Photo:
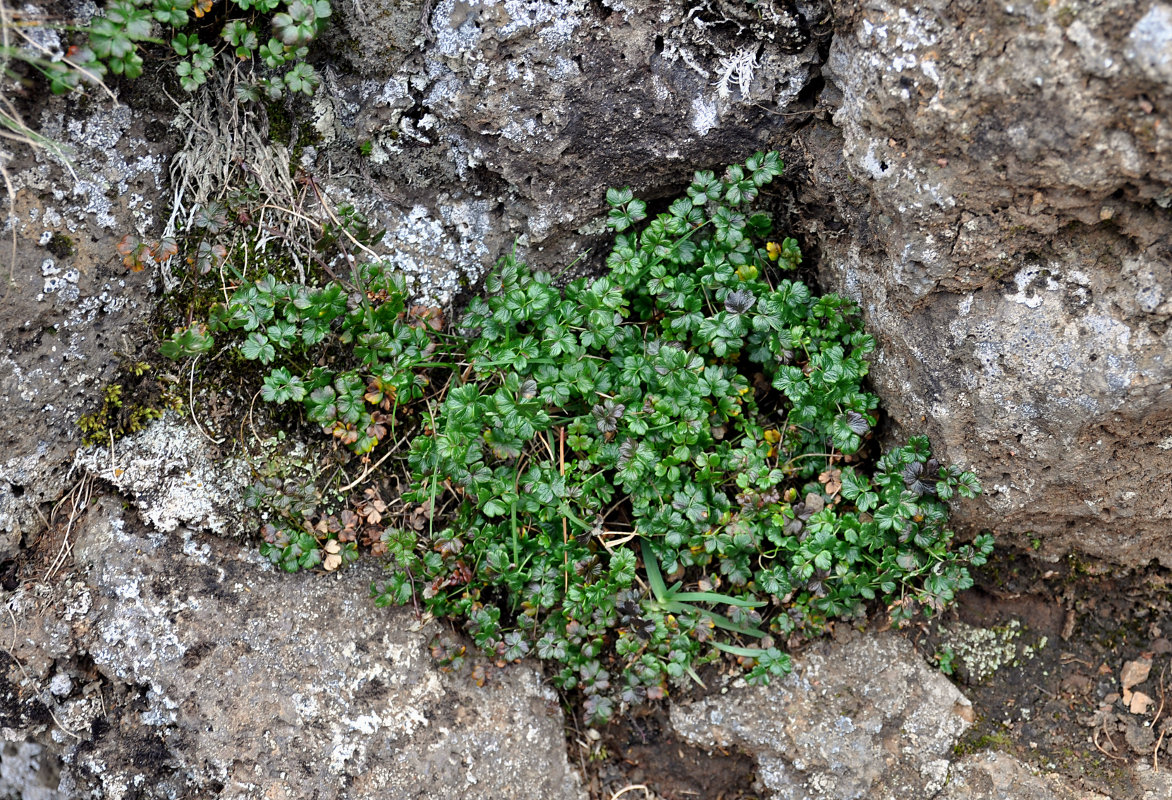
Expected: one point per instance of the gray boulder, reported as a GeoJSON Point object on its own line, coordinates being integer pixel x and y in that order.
{"type": "Point", "coordinates": [172, 665]}
{"type": "Point", "coordinates": [1005, 178]}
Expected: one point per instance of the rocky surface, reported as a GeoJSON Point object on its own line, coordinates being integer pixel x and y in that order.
{"type": "Point", "coordinates": [511, 119]}
{"type": "Point", "coordinates": [175, 474]}
{"type": "Point", "coordinates": [990, 182]}
{"type": "Point", "coordinates": [173, 665]}
{"type": "Point", "coordinates": [72, 311]}
{"type": "Point", "coordinates": [1005, 176]}
{"type": "Point", "coordinates": [997, 776]}
{"type": "Point", "coordinates": [865, 718]}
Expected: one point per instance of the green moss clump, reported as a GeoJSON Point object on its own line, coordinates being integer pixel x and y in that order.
{"type": "Point", "coordinates": [982, 737]}
{"type": "Point", "coordinates": [61, 246]}
{"type": "Point", "coordinates": [280, 124]}
{"type": "Point", "coordinates": [129, 402]}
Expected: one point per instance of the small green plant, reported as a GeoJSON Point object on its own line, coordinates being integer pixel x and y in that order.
{"type": "Point", "coordinates": [687, 414]}
{"type": "Point", "coordinates": [946, 660]}
{"type": "Point", "coordinates": [627, 478]}
{"type": "Point", "coordinates": [116, 39]}
{"type": "Point", "coordinates": [357, 406]}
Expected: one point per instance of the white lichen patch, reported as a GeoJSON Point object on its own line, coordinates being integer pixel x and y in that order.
{"type": "Point", "coordinates": [104, 168]}
{"type": "Point", "coordinates": [737, 68]}
{"type": "Point", "coordinates": [705, 116]}
{"type": "Point", "coordinates": [458, 25]}
{"type": "Point", "coordinates": [167, 470]}
{"type": "Point", "coordinates": [437, 250]}
{"type": "Point", "coordinates": [984, 651]}
{"type": "Point", "coordinates": [1150, 43]}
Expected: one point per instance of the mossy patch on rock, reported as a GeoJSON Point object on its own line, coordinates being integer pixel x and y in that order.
{"type": "Point", "coordinates": [135, 397]}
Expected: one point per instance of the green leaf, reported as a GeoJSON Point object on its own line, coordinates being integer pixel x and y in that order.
{"type": "Point", "coordinates": [184, 43]}
{"type": "Point", "coordinates": [280, 386]}
{"type": "Point", "coordinates": [302, 78]}
{"type": "Point", "coordinates": [190, 341]}
{"type": "Point", "coordinates": [619, 197]}
{"type": "Point", "coordinates": [257, 347]}
{"type": "Point", "coordinates": [494, 508]}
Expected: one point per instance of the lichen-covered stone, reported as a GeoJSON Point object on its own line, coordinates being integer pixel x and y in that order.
{"type": "Point", "coordinates": [220, 677]}
{"type": "Point", "coordinates": [169, 471]}
{"type": "Point", "coordinates": [861, 719]}
{"type": "Point", "coordinates": [998, 776]}
{"type": "Point", "coordinates": [1004, 186]}
{"type": "Point", "coordinates": [506, 127]}
{"type": "Point", "coordinates": [72, 311]}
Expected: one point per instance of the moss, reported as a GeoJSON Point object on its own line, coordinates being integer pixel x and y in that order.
{"type": "Point", "coordinates": [307, 136]}
{"type": "Point", "coordinates": [982, 737]}
{"type": "Point", "coordinates": [997, 271]}
{"type": "Point", "coordinates": [280, 123]}
{"type": "Point", "coordinates": [61, 246]}
{"type": "Point", "coordinates": [286, 129]}
{"type": "Point", "coordinates": [129, 402]}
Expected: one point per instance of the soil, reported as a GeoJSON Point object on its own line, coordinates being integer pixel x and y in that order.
{"type": "Point", "coordinates": [1065, 702]}
{"type": "Point", "coordinates": [1045, 683]}
{"type": "Point", "coordinates": [641, 754]}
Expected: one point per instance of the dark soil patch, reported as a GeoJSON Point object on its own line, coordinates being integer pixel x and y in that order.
{"type": "Point", "coordinates": [1063, 633]}
{"type": "Point", "coordinates": [641, 750]}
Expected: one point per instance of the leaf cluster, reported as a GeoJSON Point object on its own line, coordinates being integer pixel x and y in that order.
{"type": "Point", "coordinates": [646, 470]}
{"type": "Point", "coordinates": [290, 324]}
{"type": "Point", "coordinates": [273, 35]}
{"type": "Point", "coordinates": [690, 413]}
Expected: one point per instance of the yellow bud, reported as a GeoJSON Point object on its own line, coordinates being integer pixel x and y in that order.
{"type": "Point", "coordinates": [746, 272]}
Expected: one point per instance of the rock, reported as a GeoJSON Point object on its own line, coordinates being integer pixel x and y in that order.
{"type": "Point", "coordinates": [861, 719]}
{"type": "Point", "coordinates": [1154, 784]}
{"type": "Point", "coordinates": [26, 773]}
{"type": "Point", "coordinates": [508, 125]}
{"type": "Point", "coordinates": [1004, 194]}
{"type": "Point", "coordinates": [220, 677]}
{"type": "Point", "coordinates": [998, 776]}
{"type": "Point", "coordinates": [72, 311]}
{"type": "Point", "coordinates": [171, 473]}
{"type": "Point", "coordinates": [867, 718]}
{"type": "Point", "coordinates": [376, 36]}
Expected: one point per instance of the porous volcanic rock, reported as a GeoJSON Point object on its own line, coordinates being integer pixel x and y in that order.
{"type": "Point", "coordinates": [71, 311]}
{"type": "Point", "coordinates": [1004, 176]}
{"type": "Point", "coordinates": [864, 718]}
{"type": "Point", "coordinates": [173, 665]}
